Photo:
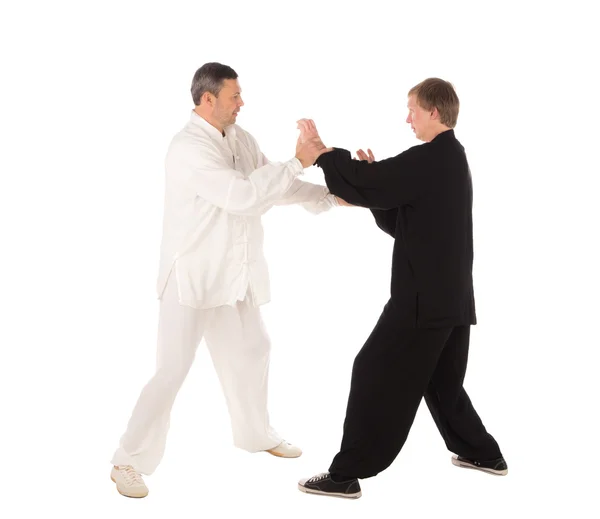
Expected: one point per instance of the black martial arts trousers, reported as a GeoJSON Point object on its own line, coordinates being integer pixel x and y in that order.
{"type": "Point", "coordinates": [394, 369]}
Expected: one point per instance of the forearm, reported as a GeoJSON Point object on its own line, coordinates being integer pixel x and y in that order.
{"type": "Point", "coordinates": [386, 184]}
{"type": "Point", "coordinates": [312, 197]}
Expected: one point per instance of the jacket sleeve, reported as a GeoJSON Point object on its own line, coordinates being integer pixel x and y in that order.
{"type": "Point", "coordinates": [312, 197]}
{"type": "Point", "coordinates": [201, 165]}
{"type": "Point", "coordinates": [386, 220]}
{"type": "Point", "coordinates": [385, 184]}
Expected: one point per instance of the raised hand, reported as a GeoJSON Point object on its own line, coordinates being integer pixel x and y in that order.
{"type": "Point", "coordinates": [309, 146]}
{"type": "Point", "coordinates": [309, 150]}
{"type": "Point", "coordinates": [308, 129]}
{"type": "Point", "coordinates": [363, 156]}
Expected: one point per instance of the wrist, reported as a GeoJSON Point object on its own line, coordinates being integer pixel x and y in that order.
{"type": "Point", "coordinates": [304, 162]}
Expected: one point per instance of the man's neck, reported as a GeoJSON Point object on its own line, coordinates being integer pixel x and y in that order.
{"type": "Point", "coordinates": [435, 132]}
{"type": "Point", "coordinates": [209, 120]}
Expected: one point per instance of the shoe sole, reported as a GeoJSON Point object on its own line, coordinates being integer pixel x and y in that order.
{"type": "Point", "coordinates": [464, 465]}
{"type": "Point", "coordinates": [331, 494]}
{"type": "Point", "coordinates": [278, 455]}
{"type": "Point", "coordinates": [126, 495]}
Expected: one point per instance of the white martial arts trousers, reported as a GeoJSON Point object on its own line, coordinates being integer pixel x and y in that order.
{"type": "Point", "coordinates": [239, 347]}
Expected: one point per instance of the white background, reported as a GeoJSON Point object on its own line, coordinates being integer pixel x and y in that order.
{"type": "Point", "coordinates": [91, 94]}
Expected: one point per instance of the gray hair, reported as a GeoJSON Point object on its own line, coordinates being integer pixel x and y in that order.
{"type": "Point", "coordinates": [209, 78]}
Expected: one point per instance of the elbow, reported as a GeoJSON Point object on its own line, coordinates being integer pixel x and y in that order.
{"type": "Point", "coordinates": [245, 202]}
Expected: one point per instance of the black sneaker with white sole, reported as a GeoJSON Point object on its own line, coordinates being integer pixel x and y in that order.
{"type": "Point", "coordinates": [497, 467]}
{"type": "Point", "coordinates": [322, 484]}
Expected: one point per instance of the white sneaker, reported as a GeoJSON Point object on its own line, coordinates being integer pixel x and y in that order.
{"type": "Point", "coordinates": [129, 482]}
{"type": "Point", "coordinates": [285, 450]}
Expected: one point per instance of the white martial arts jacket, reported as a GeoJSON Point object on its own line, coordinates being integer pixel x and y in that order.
{"type": "Point", "coordinates": [216, 189]}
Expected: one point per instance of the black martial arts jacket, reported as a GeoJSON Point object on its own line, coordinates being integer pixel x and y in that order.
{"type": "Point", "coordinates": [423, 198]}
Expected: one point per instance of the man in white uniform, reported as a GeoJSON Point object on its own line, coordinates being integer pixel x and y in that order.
{"type": "Point", "coordinates": [213, 275]}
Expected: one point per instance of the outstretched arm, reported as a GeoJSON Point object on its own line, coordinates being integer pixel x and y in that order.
{"type": "Point", "coordinates": [385, 184]}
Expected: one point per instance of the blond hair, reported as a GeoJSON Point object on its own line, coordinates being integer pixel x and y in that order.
{"type": "Point", "coordinates": [437, 93]}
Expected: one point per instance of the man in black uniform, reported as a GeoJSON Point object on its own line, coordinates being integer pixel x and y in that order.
{"type": "Point", "coordinates": [419, 347]}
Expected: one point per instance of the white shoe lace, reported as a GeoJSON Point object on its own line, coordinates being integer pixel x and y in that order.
{"type": "Point", "coordinates": [130, 476]}
{"type": "Point", "coordinates": [318, 477]}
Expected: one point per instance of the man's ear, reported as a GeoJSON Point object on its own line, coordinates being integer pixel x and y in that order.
{"type": "Point", "coordinates": [208, 99]}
